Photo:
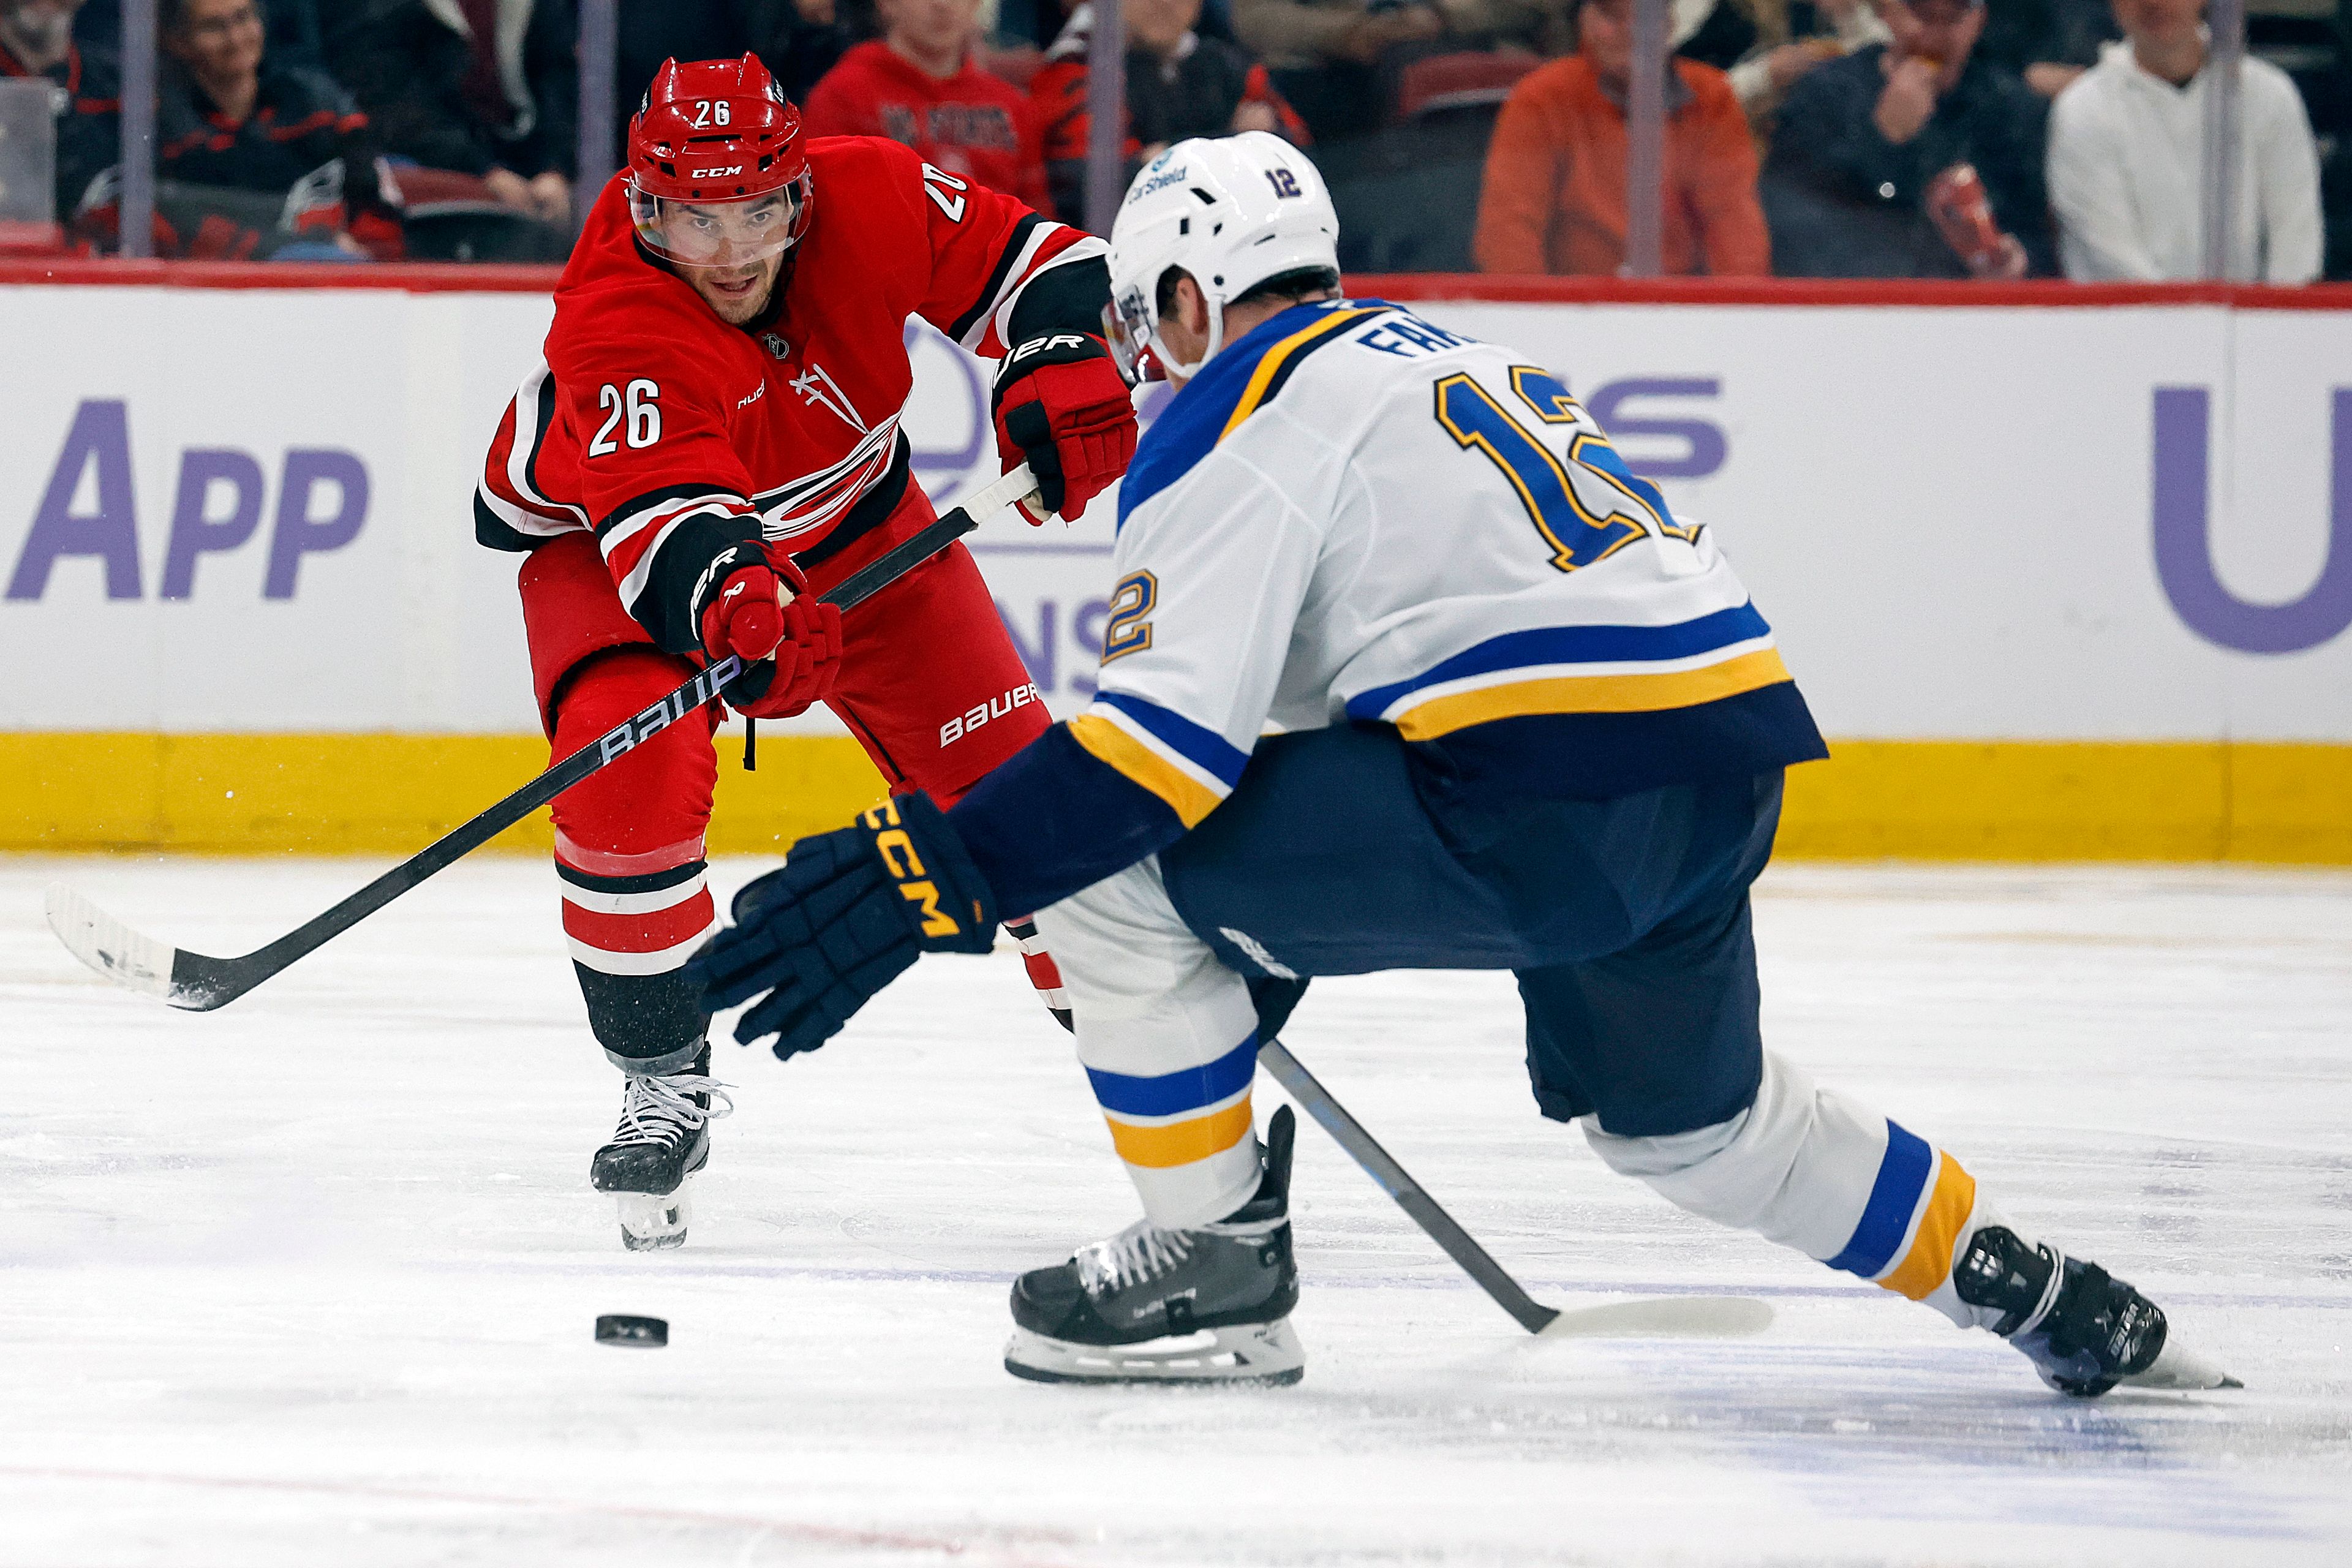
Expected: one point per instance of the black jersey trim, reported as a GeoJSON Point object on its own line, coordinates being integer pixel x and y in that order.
{"type": "Point", "coordinates": [1067, 297]}
{"type": "Point", "coordinates": [1015, 245]}
{"type": "Point", "coordinates": [544, 415]}
{"type": "Point", "coordinates": [650, 882]}
{"type": "Point", "coordinates": [497, 532]}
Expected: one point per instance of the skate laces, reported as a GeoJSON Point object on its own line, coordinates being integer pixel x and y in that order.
{"type": "Point", "coordinates": [1138, 1253]}
{"type": "Point", "coordinates": [655, 1109]}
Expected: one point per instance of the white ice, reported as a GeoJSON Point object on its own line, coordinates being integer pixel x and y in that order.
{"type": "Point", "coordinates": [311, 1280]}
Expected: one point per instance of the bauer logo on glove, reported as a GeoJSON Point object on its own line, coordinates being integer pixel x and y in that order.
{"type": "Point", "coordinates": [849, 912]}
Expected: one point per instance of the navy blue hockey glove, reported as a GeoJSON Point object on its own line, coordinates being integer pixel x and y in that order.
{"type": "Point", "coordinates": [849, 912]}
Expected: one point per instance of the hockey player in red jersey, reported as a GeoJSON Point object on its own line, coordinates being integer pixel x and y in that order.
{"type": "Point", "coordinates": [714, 439]}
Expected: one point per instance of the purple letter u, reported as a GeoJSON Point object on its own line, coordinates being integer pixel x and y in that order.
{"type": "Point", "coordinates": [2184, 554]}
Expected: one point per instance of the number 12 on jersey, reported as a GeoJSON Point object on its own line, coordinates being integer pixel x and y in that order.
{"type": "Point", "coordinates": [1589, 505]}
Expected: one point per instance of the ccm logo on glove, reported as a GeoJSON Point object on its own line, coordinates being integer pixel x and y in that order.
{"type": "Point", "coordinates": [896, 848]}
{"type": "Point", "coordinates": [849, 912]}
{"type": "Point", "coordinates": [963, 724]}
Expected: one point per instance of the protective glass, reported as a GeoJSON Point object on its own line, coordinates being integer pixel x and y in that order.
{"type": "Point", "coordinates": [732, 233]}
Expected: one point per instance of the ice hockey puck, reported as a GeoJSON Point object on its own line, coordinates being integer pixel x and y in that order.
{"type": "Point", "coordinates": [621, 1328]}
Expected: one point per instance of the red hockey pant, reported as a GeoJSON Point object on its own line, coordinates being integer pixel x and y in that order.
{"type": "Point", "coordinates": [930, 685]}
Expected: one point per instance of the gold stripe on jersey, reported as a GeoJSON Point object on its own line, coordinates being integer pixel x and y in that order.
{"type": "Point", "coordinates": [1188, 798]}
{"type": "Point", "coordinates": [1275, 366]}
{"type": "Point", "coordinates": [1637, 693]}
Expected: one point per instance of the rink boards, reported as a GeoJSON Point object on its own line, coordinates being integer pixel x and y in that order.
{"type": "Point", "coordinates": [2061, 580]}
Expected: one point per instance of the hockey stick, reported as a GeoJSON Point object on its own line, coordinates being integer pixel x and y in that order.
{"type": "Point", "coordinates": [198, 984]}
{"type": "Point", "coordinates": [1688, 1317]}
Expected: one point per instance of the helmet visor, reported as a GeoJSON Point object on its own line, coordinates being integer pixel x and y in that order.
{"type": "Point", "coordinates": [738, 232]}
{"type": "Point", "coordinates": [1130, 322]}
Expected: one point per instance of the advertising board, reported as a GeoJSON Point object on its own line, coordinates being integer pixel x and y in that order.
{"type": "Point", "coordinates": [2100, 557]}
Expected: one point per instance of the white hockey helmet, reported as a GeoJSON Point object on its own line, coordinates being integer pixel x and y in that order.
{"type": "Point", "coordinates": [1232, 211]}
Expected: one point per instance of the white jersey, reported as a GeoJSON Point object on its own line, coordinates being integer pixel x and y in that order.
{"type": "Point", "coordinates": [1354, 515]}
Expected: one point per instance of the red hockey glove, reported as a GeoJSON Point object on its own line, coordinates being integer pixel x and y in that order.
{"type": "Point", "coordinates": [1063, 408]}
{"type": "Point", "coordinates": [793, 648]}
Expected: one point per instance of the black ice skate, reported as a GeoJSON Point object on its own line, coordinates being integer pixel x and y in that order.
{"type": "Point", "coordinates": [663, 1140]}
{"type": "Point", "coordinates": [2086, 1330]}
{"type": "Point", "coordinates": [1149, 1305]}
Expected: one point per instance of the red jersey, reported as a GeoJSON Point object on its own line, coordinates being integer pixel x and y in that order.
{"type": "Point", "coordinates": [676, 437]}
{"type": "Point", "coordinates": [974, 124]}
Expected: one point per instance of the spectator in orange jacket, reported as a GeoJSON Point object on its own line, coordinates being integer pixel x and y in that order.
{"type": "Point", "coordinates": [919, 84]}
{"type": "Point", "coordinates": [1555, 193]}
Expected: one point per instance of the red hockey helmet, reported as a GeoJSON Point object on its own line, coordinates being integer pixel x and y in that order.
{"type": "Point", "coordinates": [717, 173]}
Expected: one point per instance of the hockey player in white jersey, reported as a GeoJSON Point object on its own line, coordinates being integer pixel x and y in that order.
{"type": "Point", "coordinates": [1404, 669]}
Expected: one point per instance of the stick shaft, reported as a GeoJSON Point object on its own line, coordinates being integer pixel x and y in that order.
{"type": "Point", "coordinates": [1398, 1183]}
{"type": "Point", "coordinates": [223, 980]}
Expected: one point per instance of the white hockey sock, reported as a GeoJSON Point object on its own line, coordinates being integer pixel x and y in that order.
{"type": "Point", "coordinates": [1815, 1170]}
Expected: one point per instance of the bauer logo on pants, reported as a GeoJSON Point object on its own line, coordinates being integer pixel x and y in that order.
{"type": "Point", "coordinates": [963, 724]}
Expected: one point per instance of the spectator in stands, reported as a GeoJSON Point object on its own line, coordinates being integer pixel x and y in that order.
{"type": "Point", "coordinates": [2047, 42]}
{"type": "Point", "coordinates": [2127, 156]}
{"type": "Point", "coordinates": [1323, 53]}
{"type": "Point", "coordinates": [36, 39]}
{"type": "Point", "coordinates": [1787, 42]}
{"type": "Point", "coordinates": [293, 31]}
{"type": "Point", "coordinates": [1179, 84]}
{"type": "Point", "coordinates": [488, 88]}
{"type": "Point", "coordinates": [919, 84]}
{"type": "Point", "coordinates": [1555, 192]}
{"type": "Point", "coordinates": [800, 40]}
{"type": "Point", "coordinates": [1913, 159]}
{"type": "Point", "coordinates": [231, 119]}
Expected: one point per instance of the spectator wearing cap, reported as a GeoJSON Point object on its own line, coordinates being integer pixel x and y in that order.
{"type": "Point", "coordinates": [920, 85]}
{"type": "Point", "coordinates": [1554, 199]}
{"type": "Point", "coordinates": [1179, 85]}
{"type": "Point", "coordinates": [36, 39]}
{"type": "Point", "coordinates": [488, 87]}
{"type": "Point", "coordinates": [2127, 158]}
{"type": "Point", "coordinates": [1913, 159]}
{"type": "Point", "coordinates": [231, 119]}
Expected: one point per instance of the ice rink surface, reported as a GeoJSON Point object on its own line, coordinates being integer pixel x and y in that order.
{"type": "Point", "coordinates": [311, 1280]}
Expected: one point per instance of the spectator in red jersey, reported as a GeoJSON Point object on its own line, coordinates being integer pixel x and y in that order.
{"type": "Point", "coordinates": [488, 88]}
{"type": "Point", "coordinates": [231, 120]}
{"type": "Point", "coordinates": [36, 39]}
{"type": "Point", "coordinates": [1179, 85]}
{"type": "Point", "coordinates": [919, 85]}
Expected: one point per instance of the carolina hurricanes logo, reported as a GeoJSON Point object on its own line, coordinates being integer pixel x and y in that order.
{"type": "Point", "coordinates": [774, 343]}
{"type": "Point", "coordinates": [819, 387]}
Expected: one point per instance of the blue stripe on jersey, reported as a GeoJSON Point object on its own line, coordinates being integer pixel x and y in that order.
{"type": "Point", "coordinates": [1174, 1093]}
{"type": "Point", "coordinates": [1188, 429]}
{"type": "Point", "coordinates": [1894, 1198]}
{"type": "Point", "coordinates": [1203, 747]}
{"type": "Point", "coordinates": [1575, 645]}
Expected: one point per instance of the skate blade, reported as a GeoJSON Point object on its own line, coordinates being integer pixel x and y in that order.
{"type": "Point", "coordinates": [651, 1221]}
{"type": "Point", "coordinates": [1665, 1317]}
{"type": "Point", "coordinates": [2176, 1368]}
{"type": "Point", "coordinates": [1248, 1355]}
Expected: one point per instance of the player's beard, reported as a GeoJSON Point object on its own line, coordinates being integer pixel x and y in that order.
{"type": "Point", "coordinates": [736, 309]}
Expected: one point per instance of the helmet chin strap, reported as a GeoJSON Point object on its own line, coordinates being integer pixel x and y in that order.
{"type": "Point", "coordinates": [1176, 369]}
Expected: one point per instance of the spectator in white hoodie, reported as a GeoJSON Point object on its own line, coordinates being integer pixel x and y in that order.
{"type": "Point", "coordinates": [2127, 160]}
